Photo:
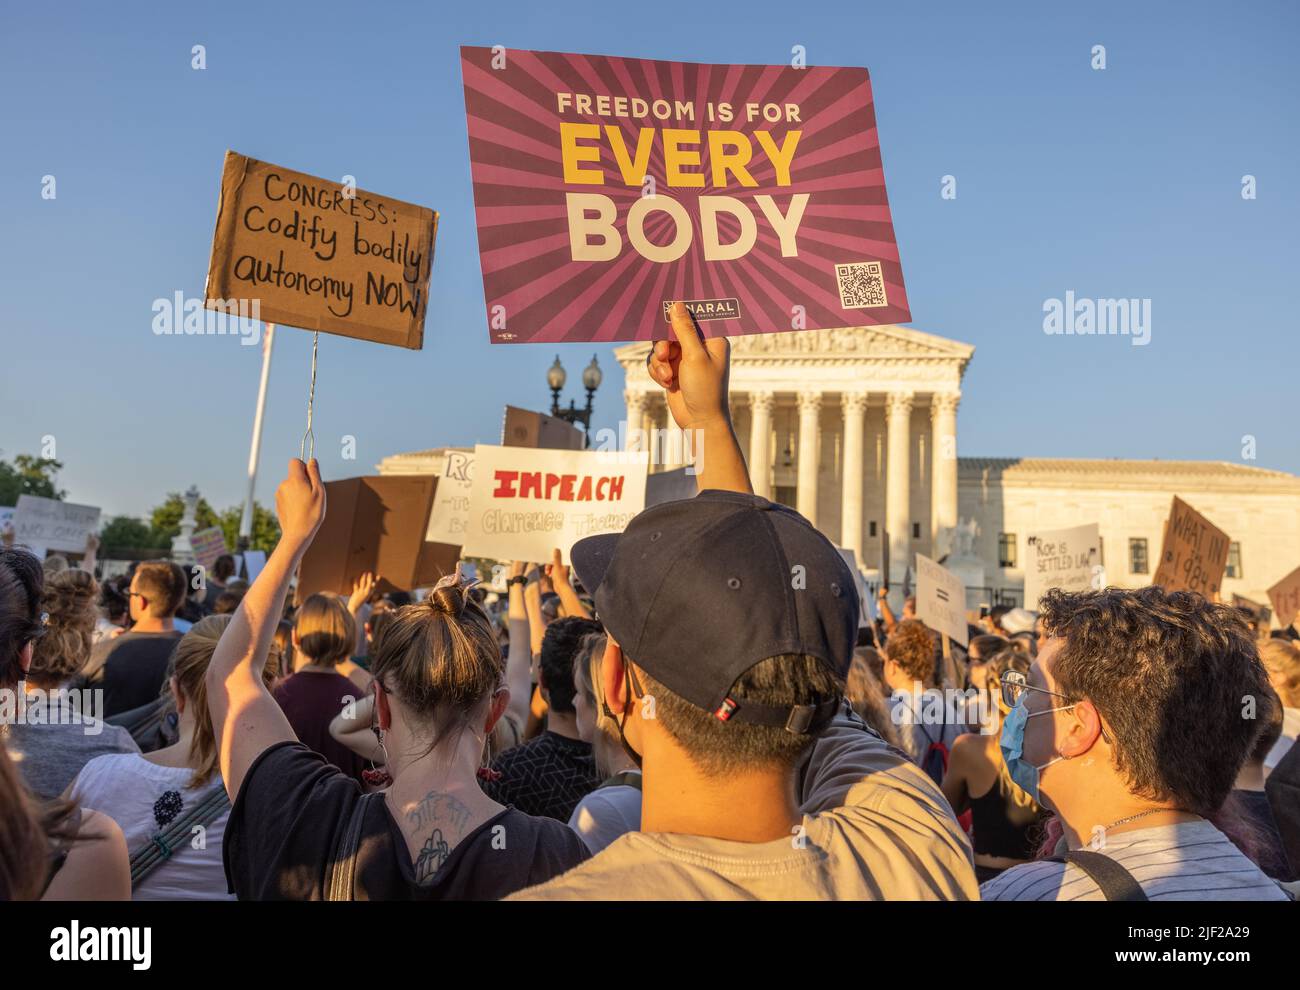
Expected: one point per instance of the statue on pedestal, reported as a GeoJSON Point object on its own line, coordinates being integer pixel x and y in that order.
{"type": "Point", "coordinates": [182, 551]}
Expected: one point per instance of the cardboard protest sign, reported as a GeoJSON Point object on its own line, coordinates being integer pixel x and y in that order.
{"type": "Point", "coordinates": [941, 599]}
{"type": "Point", "coordinates": [1194, 554]}
{"type": "Point", "coordinates": [1260, 614]}
{"type": "Point", "coordinates": [319, 255]}
{"type": "Point", "coordinates": [524, 502]}
{"type": "Point", "coordinates": [524, 428]}
{"type": "Point", "coordinates": [49, 524]}
{"type": "Point", "coordinates": [375, 524]}
{"type": "Point", "coordinates": [450, 514]}
{"type": "Point", "coordinates": [1069, 559]}
{"type": "Point", "coordinates": [207, 545]}
{"type": "Point", "coordinates": [1285, 597]}
{"type": "Point", "coordinates": [605, 188]}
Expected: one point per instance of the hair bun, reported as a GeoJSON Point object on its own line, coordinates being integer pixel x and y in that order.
{"type": "Point", "coordinates": [448, 599]}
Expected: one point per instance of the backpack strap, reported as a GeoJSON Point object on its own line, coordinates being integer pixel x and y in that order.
{"type": "Point", "coordinates": [1116, 883]}
{"type": "Point", "coordinates": [627, 778]}
{"type": "Point", "coordinates": [164, 844]}
{"type": "Point", "coordinates": [341, 872]}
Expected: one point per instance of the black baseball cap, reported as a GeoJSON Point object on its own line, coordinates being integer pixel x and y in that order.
{"type": "Point", "coordinates": [698, 591]}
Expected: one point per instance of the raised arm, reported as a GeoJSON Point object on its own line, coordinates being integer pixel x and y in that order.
{"type": "Point", "coordinates": [533, 608]}
{"type": "Point", "coordinates": [245, 718]}
{"type": "Point", "coordinates": [362, 589]}
{"type": "Point", "coordinates": [694, 373]}
{"type": "Point", "coordinates": [562, 581]}
{"type": "Point", "coordinates": [519, 660]}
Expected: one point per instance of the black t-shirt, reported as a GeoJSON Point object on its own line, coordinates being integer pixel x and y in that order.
{"type": "Point", "coordinates": [286, 824]}
{"type": "Point", "coordinates": [136, 667]}
{"type": "Point", "coordinates": [546, 776]}
{"type": "Point", "coordinates": [1254, 806]}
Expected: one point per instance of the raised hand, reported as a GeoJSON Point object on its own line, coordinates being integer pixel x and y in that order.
{"type": "Point", "coordinates": [693, 372]}
{"type": "Point", "coordinates": [557, 571]}
{"type": "Point", "coordinates": [300, 502]}
{"type": "Point", "coordinates": [362, 589]}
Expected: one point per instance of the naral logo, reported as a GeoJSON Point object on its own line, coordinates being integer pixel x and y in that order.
{"type": "Point", "coordinates": [707, 309]}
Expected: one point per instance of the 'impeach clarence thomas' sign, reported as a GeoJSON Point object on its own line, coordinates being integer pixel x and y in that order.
{"type": "Point", "coordinates": [525, 502]}
{"type": "Point", "coordinates": [606, 187]}
{"type": "Point", "coordinates": [319, 255]}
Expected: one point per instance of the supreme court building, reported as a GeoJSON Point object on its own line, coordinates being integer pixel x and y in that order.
{"type": "Point", "coordinates": [857, 429]}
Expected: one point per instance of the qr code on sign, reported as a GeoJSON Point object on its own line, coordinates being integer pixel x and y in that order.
{"type": "Point", "coordinates": [862, 285]}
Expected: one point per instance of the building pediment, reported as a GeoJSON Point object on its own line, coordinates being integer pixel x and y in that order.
{"type": "Point", "coordinates": [854, 344]}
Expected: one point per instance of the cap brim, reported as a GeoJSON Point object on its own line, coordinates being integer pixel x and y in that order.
{"type": "Point", "coordinates": [591, 558]}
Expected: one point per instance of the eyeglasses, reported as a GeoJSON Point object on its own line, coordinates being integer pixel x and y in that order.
{"type": "Point", "coordinates": [1015, 684]}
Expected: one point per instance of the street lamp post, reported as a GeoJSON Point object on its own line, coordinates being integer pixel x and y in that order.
{"type": "Point", "coordinates": [556, 376]}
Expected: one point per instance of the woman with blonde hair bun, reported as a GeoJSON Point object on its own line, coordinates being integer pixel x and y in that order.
{"type": "Point", "coordinates": [303, 830]}
{"type": "Point", "coordinates": [62, 729]}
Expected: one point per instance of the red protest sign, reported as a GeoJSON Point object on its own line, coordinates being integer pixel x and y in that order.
{"type": "Point", "coordinates": [605, 188]}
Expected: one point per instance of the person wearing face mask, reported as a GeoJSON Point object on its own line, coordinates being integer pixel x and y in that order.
{"type": "Point", "coordinates": [1131, 727]}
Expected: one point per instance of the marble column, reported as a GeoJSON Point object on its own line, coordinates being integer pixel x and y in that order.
{"type": "Point", "coordinates": [943, 476]}
{"type": "Point", "coordinates": [810, 443]}
{"type": "Point", "coordinates": [854, 407]}
{"type": "Point", "coordinates": [898, 523]}
{"type": "Point", "coordinates": [636, 409]}
{"type": "Point", "coordinates": [760, 442]}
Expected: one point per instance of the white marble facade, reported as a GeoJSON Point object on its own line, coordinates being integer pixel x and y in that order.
{"type": "Point", "coordinates": [857, 429]}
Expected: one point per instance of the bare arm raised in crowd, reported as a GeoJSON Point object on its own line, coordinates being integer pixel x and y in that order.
{"type": "Point", "coordinates": [533, 609]}
{"type": "Point", "coordinates": [694, 373]}
{"type": "Point", "coordinates": [886, 614]}
{"type": "Point", "coordinates": [362, 589]}
{"type": "Point", "coordinates": [245, 718]}
{"type": "Point", "coordinates": [519, 660]}
{"type": "Point", "coordinates": [561, 580]}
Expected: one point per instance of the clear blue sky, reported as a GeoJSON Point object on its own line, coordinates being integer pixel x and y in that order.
{"type": "Point", "coordinates": [1123, 182]}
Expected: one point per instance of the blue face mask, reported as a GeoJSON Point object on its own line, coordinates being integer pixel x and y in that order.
{"type": "Point", "coordinates": [1012, 743]}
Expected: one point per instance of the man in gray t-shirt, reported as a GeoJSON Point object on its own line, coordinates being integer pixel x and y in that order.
{"type": "Point", "coordinates": [51, 756]}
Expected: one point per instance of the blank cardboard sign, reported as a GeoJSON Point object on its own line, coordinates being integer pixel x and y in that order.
{"type": "Point", "coordinates": [375, 524]}
{"type": "Point", "coordinates": [320, 256]}
{"type": "Point", "coordinates": [1285, 597]}
{"type": "Point", "coordinates": [1194, 554]}
{"type": "Point", "coordinates": [524, 428]}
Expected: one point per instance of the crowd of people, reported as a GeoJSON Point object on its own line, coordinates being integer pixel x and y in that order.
{"type": "Point", "coordinates": [669, 716]}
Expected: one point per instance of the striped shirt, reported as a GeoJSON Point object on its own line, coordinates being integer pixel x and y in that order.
{"type": "Point", "coordinates": [1190, 861]}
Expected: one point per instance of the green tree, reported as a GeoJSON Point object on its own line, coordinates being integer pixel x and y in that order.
{"type": "Point", "coordinates": [124, 533]}
{"type": "Point", "coordinates": [266, 528]}
{"type": "Point", "coordinates": [29, 475]}
{"type": "Point", "coordinates": [166, 518]}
